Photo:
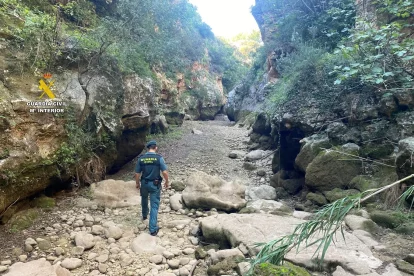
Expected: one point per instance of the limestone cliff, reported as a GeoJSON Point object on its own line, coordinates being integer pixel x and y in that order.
{"type": "Point", "coordinates": [103, 117]}
{"type": "Point", "coordinates": [325, 138]}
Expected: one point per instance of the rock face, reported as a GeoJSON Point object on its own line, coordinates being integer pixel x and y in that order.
{"type": "Point", "coordinates": [234, 229]}
{"type": "Point", "coordinates": [37, 267]}
{"type": "Point", "coordinates": [206, 191]}
{"type": "Point", "coordinates": [405, 160]}
{"type": "Point", "coordinates": [115, 193]}
{"type": "Point", "coordinates": [323, 173]}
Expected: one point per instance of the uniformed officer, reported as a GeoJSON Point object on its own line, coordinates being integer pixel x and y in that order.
{"type": "Point", "coordinates": [148, 179]}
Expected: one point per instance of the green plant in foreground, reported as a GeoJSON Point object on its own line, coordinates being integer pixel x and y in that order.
{"type": "Point", "coordinates": [322, 229]}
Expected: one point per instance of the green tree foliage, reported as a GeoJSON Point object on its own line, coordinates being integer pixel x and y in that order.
{"type": "Point", "coordinates": [223, 60]}
{"type": "Point", "coordinates": [381, 54]}
{"type": "Point", "coordinates": [139, 36]}
{"type": "Point", "coordinates": [246, 45]}
{"type": "Point", "coordinates": [324, 22]}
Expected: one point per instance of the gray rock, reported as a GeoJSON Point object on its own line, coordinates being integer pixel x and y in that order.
{"type": "Point", "coordinates": [188, 251]}
{"type": "Point", "coordinates": [3, 268]}
{"type": "Point", "coordinates": [113, 231]}
{"type": "Point", "coordinates": [206, 192]}
{"type": "Point", "coordinates": [102, 268]}
{"type": "Point", "coordinates": [43, 244]}
{"type": "Point", "coordinates": [176, 202]}
{"type": "Point", "coordinates": [78, 250]}
{"type": "Point", "coordinates": [173, 264]}
{"type": "Point", "coordinates": [268, 206]}
{"type": "Point", "coordinates": [243, 268]}
{"type": "Point", "coordinates": [156, 259]}
{"type": "Point", "coordinates": [322, 173]}
{"type": "Point", "coordinates": [196, 131]}
{"type": "Point", "coordinates": [59, 251]}
{"type": "Point", "coordinates": [178, 186]}
{"type": "Point", "coordinates": [312, 147]}
{"type": "Point", "coordinates": [168, 255]}
{"type": "Point", "coordinates": [260, 192]}
{"type": "Point", "coordinates": [97, 230]}
{"type": "Point", "coordinates": [184, 261]}
{"type": "Point", "coordinates": [249, 166]}
{"type": "Point", "coordinates": [237, 154]}
{"type": "Point", "coordinates": [85, 240]}
{"type": "Point", "coordinates": [115, 193]}
{"type": "Point", "coordinates": [30, 241]}
{"type": "Point", "coordinates": [102, 258]}
{"type": "Point", "coordinates": [71, 263]}
{"type": "Point", "coordinates": [351, 253]}
{"type": "Point", "coordinates": [254, 155]}
{"type": "Point", "coordinates": [22, 258]}
{"type": "Point", "coordinates": [224, 254]}
{"type": "Point", "coordinates": [37, 267]}
{"type": "Point", "coordinates": [360, 223]}
{"type": "Point", "coordinates": [183, 272]}
{"type": "Point", "coordinates": [145, 243]}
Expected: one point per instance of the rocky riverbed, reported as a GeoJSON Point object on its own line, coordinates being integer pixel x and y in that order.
{"type": "Point", "coordinates": [99, 231]}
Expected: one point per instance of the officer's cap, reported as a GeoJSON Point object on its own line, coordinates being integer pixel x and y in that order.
{"type": "Point", "coordinates": [151, 143]}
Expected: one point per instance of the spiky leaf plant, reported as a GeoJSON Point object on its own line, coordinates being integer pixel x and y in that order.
{"type": "Point", "coordinates": [321, 229]}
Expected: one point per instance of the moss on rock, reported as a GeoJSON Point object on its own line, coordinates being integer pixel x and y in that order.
{"type": "Point", "coordinates": [288, 269]}
{"type": "Point", "coordinates": [44, 202]}
{"type": "Point", "coordinates": [317, 199]}
{"type": "Point", "coordinates": [387, 219]}
{"type": "Point", "coordinates": [406, 228]}
{"type": "Point", "coordinates": [179, 186]}
{"type": "Point", "coordinates": [23, 220]}
{"type": "Point", "coordinates": [227, 265]}
{"type": "Point", "coordinates": [336, 194]}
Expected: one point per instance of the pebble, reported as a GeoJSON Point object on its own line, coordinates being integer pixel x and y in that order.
{"type": "Point", "coordinates": [173, 263]}
{"type": "Point", "coordinates": [188, 251]}
{"type": "Point", "coordinates": [168, 255]}
{"type": "Point", "coordinates": [102, 258]}
{"type": "Point", "coordinates": [71, 263]}
{"type": "Point", "coordinates": [6, 262]}
{"type": "Point", "coordinates": [22, 258]}
{"type": "Point", "coordinates": [184, 271]}
{"type": "Point", "coordinates": [156, 259]}
{"type": "Point", "coordinates": [3, 268]}
{"type": "Point", "coordinates": [102, 268]}
{"type": "Point", "coordinates": [184, 261]}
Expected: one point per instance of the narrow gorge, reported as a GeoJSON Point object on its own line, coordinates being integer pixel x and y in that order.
{"type": "Point", "coordinates": [289, 154]}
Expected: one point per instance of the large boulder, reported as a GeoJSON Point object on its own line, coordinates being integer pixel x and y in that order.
{"type": "Point", "coordinates": [330, 169]}
{"type": "Point", "coordinates": [313, 145]}
{"type": "Point", "coordinates": [176, 202]}
{"type": "Point", "coordinates": [260, 192]}
{"type": "Point", "coordinates": [249, 229]}
{"type": "Point", "coordinates": [37, 267]}
{"type": "Point", "coordinates": [206, 191]}
{"type": "Point", "coordinates": [115, 193]}
{"type": "Point", "coordinates": [405, 160]}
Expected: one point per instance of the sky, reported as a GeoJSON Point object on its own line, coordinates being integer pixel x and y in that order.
{"type": "Point", "coordinates": [227, 18]}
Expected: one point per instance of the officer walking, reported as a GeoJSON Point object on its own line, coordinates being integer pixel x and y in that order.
{"type": "Point", "coordinates": [148, 178]}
